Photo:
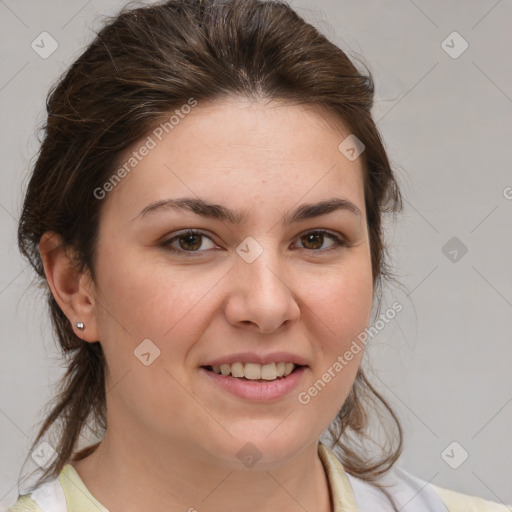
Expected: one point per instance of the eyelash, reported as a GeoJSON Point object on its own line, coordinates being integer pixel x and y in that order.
{"type": "Point", "coordinates": [338, 241]}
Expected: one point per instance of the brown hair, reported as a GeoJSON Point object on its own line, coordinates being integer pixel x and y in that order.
{"type": "Point", "coordinates": [142, 65]}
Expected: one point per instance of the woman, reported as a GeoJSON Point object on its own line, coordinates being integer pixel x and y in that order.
{"type": "Point", "coordinates": [206, 210]}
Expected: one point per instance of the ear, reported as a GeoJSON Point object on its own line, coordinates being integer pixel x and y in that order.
{"type": "Point", "coordinates": [73, 291]}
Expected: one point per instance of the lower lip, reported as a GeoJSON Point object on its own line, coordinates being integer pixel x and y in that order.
{"type": "Point", "coordinates": [258, 391]}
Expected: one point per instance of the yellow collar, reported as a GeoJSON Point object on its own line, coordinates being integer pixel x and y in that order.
{"type": "Point", "coordinates": [339, 486]}
{"type": "Point", "coordinates": [78, 497]}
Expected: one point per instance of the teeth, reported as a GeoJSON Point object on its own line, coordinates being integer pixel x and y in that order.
{"type": "Point", "coordinates": [237, 369]}
{"type": "Point", "coordinates": [268, 371]}
{"type": "Point", "coordinates": [253, 371]}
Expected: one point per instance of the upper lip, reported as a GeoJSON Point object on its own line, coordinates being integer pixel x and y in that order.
{"type": "Point", "coordinates": [252, 357]}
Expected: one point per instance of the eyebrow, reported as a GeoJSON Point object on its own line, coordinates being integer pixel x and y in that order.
{"type": "Point", "coordinates": [219, 212]}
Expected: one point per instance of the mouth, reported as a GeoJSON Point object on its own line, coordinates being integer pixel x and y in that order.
{"type": "Point", "coordinates": [255, 372]}
{"type": "Point", "coordinates": [256, 383]}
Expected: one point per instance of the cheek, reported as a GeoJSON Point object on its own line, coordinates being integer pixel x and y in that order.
{"type": "Point", "coordinates": [338, 314]}
{"type": "Point", "coordinates": [141, 302]}
{"type": "Point", "coordinates": [141, 299]}
{"type": "Point", "coordinates": [343, 302]}
{"type": "Point", "coordinates": [137, 292]}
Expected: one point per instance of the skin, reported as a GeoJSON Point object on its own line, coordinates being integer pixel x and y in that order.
{"type": "Point", "coordinates": [172, 436]}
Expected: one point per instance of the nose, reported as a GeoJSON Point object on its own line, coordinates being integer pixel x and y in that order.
{"type": "Point", "coordinates": [261, 295]}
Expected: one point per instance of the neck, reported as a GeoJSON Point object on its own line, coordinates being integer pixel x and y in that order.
{"type": "Point", "coordinates": [132, 476]}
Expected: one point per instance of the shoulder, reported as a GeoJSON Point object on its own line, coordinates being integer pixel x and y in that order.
{"type": "Point", "coordinates": [67, 492]}
{"type": "Point", "coordinates": [458, 502]}
{"type": "Point", "coordinates": [416, 495]}
{"type": "Point", "coordinates": [47, 497]}
{"type": "Point", "coordinates": [24, 504]}
{"type": "Point", "coordinates": [409, 493]}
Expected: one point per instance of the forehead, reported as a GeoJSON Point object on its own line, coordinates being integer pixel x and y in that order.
{"type": "Point", "coordinates": [237, 150]}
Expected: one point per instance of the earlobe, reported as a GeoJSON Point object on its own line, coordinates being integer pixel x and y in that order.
{"type": "Point", "coordinates": [69, 287]}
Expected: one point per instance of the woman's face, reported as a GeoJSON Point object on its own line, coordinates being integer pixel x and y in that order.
{"type": "Point", "coordinates": [267, 287]}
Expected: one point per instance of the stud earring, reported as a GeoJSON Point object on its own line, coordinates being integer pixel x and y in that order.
{"type": "Point", "coordinates": [80, 325]}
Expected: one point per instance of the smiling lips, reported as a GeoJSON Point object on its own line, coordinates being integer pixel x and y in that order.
{"type": "Point", "coordinates": [268, 388]}
{"type": "Point", "coordinates": [254, 371]}
{"type": "Point", "coordinates": [253, 366]}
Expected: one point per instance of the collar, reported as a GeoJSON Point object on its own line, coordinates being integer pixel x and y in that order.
{"type": "Point", "coordinates": [342, 496]}
{"type": "Point", "coordinates": [78, 497]}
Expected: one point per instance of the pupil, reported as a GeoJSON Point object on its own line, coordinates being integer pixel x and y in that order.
{"type": "Point", "coordinates": [189, 241]}
{"type": "Point", "coordinates": [312, 237]}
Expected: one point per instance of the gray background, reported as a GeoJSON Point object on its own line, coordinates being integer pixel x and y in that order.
{"type": "Point", "coordinates": [444, 362]}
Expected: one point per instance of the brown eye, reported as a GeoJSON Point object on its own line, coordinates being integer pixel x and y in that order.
{"type": "Point", "coordinates": [314, 240]}
{"type": "Point", "coordinates": [189, 241]}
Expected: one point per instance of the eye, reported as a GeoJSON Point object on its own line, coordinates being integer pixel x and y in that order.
{"type": "Point", "coordinates": [188, 241]}
{"type": "Point", "coordinates": [313, 240]}
{"type": "Point", "coordinates": [191, 241]}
